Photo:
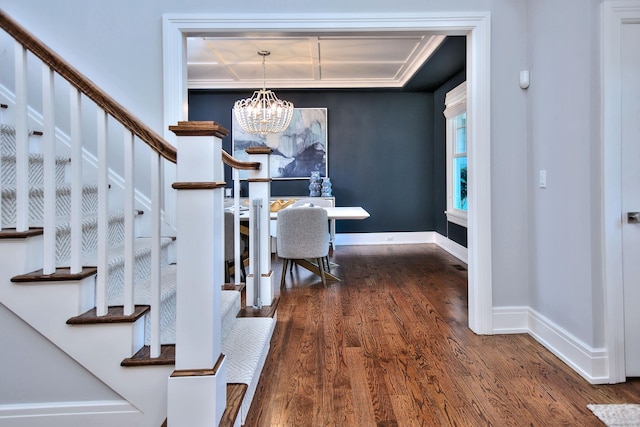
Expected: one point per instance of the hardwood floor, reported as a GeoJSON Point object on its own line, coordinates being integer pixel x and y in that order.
{"type": "Point", "coordinates": [389, 346]}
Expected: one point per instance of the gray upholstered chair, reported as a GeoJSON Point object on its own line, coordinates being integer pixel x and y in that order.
{"type": "Point", "coordinates": [229, 253]}
{"type": "Point", "coordinates": [320, 201]}
{"type": "Point", "coordinates": [302, 233]}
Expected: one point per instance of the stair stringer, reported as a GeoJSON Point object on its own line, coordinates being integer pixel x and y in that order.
{"type": "Point", "coordinates": [47, 306]}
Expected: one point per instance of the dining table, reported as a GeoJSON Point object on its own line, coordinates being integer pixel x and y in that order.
{"type": "Point", "coordinates": [333, 213]}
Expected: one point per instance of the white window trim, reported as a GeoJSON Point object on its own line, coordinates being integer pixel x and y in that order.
{"type": "Point", "coordinates": [455, 104]}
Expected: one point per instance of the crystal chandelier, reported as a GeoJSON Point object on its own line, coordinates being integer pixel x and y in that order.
{"type": "Point", "coordinates": [263, 113]}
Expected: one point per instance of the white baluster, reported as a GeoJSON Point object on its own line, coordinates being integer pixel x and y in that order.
{"type": "Point", "coordinates": [75, 110]}
{"type": "Point", "coordinates": [49, 152]}
{"type": "Point", "coordinates": [236, 226]}
{"type": "Point", "coordinates": [2, 108]}
{"type": "Point", "coordinates": [156, 203]}
{"type": "Point", "coordinates": [256, 237]}
{"type": "Point", "coordinates": [103, 214]}
{"type": "Point", "coordinates": [22, 140]}
{"type": "Point", "coordinates": [129, 153]}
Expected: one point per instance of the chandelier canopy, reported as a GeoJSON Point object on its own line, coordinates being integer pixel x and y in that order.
{"type": "Point", "coordinates": [263, 113]}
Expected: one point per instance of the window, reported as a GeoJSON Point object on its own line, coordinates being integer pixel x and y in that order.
{"type": "Point", "coordinates": [456, 114]}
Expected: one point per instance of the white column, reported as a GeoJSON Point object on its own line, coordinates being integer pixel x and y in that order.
{"type": "Point", "coordinates": [197, 388]}
{"type": "Point", "coordinates": [260, 188]}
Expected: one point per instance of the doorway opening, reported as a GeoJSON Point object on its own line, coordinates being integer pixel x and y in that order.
{"type": "Point", "coordinates": [475, 26]}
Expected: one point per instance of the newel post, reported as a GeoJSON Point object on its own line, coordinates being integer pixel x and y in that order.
{"type": "Point", "coordinates": [259, 289]}
{"type": "Point", "coordinates": [197, 387]}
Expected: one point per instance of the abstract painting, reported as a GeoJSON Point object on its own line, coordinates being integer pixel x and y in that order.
{"type": "Point", "coordinates": [298, 151]}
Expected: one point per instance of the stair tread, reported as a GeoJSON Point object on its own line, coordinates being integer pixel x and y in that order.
{"type": "Point", "coordinates": [235, 396]}
{"type": "Point", "coordinates": [61, 274]}
{"type": "Point", "coordinates": [33, 156]}
{"type": "Point", "coordinates": [244, 345]}
{"type": "Point", "coordinates": [141, 246]}
{"type": "Point", "coordinates": [114, 315]}
{"type": "Point", "coordinates": [9, 190]}
{"type": "Point", "coordinates": [143, 358]}
{"type": "Point", "coordinates": [265, 311]}
{"type": "Point", "coordinates": [88, 219]}
{"type": "Point", "coordinates": [11, 233]}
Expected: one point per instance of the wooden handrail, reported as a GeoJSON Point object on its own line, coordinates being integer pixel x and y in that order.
{"type": "Point", "coordinates": [237, 164]}
{"type": "Point", "coordinates": [88, 88]}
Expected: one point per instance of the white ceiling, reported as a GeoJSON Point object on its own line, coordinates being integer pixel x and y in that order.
{"type": "Point", "coordinates": [351, 60]}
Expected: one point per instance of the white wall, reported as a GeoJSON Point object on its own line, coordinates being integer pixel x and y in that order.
{"type": "Point", "coordinates": [563, 139]}
{"type": "Point", "coordinates": [50, 374]}
{"type": "Point", "coordinates": [541, 238]}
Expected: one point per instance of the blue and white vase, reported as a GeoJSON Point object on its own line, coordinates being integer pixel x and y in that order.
{"type": "Point", "coordinates": [315, 184]}
{"type": "Point", "coordinates": [326, 187]}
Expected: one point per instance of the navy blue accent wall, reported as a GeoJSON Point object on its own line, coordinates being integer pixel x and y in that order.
{"type": "Point", "coordinates": [380, 152]}
{"type": "Point", "coordinates": [453, 231]}
{"type": "Point", "coordinates": [385, 152]}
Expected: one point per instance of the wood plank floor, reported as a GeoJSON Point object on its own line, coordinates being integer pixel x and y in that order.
{"type": "Point", "coordinates": [389, 346]}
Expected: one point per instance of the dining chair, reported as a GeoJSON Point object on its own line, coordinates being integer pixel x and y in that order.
{"type": "Point", "coordinates": [324, 202]}
{"type": "Point", "coordinates": [302, 233]}
{"type": "Point", "coordinates": [229, 252]}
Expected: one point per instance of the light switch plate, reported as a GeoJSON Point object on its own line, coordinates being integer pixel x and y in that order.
{"type": "Point", "coordinates": [542, 179]}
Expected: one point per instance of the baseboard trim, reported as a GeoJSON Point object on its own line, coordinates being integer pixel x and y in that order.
{"type": "Point", "coordinates": [397, 238]}
{"type": "Point", "coordinates": [455, 249]}
{"type": "Point", "coordinates": [591, 363]}
{"type": "Point", "coordinates": [66, 410]}
{"type": "Point", "coordinates": [403, 238]}
{"type": "Point", "coordinates": [510, 320]}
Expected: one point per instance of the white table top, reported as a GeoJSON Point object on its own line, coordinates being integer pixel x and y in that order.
{"type": "Point", "coordinates": [335, 212]}
{"type": "Point", "coordinates": [346, 212]}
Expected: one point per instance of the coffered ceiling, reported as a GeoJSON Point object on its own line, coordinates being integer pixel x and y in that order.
{"type": "Point", "coordinates": [325, 60]}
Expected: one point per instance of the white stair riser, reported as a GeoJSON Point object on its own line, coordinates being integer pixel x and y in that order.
{"type": "Point", "coordinates": [231, 304]}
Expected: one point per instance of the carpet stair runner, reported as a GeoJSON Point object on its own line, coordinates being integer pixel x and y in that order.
{"type": "Point", "coordinates": [245, 341]}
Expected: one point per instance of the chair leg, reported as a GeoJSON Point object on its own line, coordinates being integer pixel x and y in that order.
{"type": "Point", "coordinates": [226, 272]}
{"type": "Point", "coordinates": [242, 270]}
{"type": "Point", "coordinates": [322, 276]}
{"type": "Point", "coordinates": [284, 272]}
